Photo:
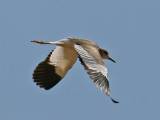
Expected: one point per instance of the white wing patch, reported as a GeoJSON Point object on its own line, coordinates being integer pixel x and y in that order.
{"type": "Point", "coordinates": [97, 71]}
{"type": "Point", "coordinates": [90, 61]}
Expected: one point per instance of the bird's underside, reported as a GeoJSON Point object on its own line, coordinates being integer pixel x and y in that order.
{"type": "Point", "coordinates": [49, 72]}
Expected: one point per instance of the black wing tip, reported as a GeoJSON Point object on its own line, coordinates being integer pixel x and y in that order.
{"type": "Point", "coordinates": [114, 100]}
{"type": "Point", "coordinates": [45, 76]}
{"type": "Point", "coordinates": [47, 88]}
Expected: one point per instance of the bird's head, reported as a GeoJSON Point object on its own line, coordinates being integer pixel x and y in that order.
{"type": "Point", "coordinates": [105, 54]}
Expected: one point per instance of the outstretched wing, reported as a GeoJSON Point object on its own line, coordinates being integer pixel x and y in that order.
{"type": "Point", "coordinates": [49, 72]}
{"type": "Point", "coordinates": [92, 62]}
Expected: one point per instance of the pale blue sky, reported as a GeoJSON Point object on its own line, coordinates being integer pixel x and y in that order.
{"type": "Point", "coordinates": [128, 29]}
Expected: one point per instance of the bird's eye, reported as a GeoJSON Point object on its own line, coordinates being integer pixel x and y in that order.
{"type": "Point", "coordinates": [105, 53]}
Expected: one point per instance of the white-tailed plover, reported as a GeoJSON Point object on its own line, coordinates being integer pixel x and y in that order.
{"type": "Point", "coordinates": [49, 72]}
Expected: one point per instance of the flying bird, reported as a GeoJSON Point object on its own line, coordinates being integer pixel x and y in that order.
{"type": "Point", "coordinates": [49, 72]}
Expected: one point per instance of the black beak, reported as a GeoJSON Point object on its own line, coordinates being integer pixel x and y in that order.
{"type": "Point", "coordinates": [112, 60]}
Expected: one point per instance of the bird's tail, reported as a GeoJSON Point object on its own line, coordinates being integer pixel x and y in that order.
{"type": "Point", "coordinates": [41, 42]}
{"type": "Point", "coordinates": [60, 42]}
